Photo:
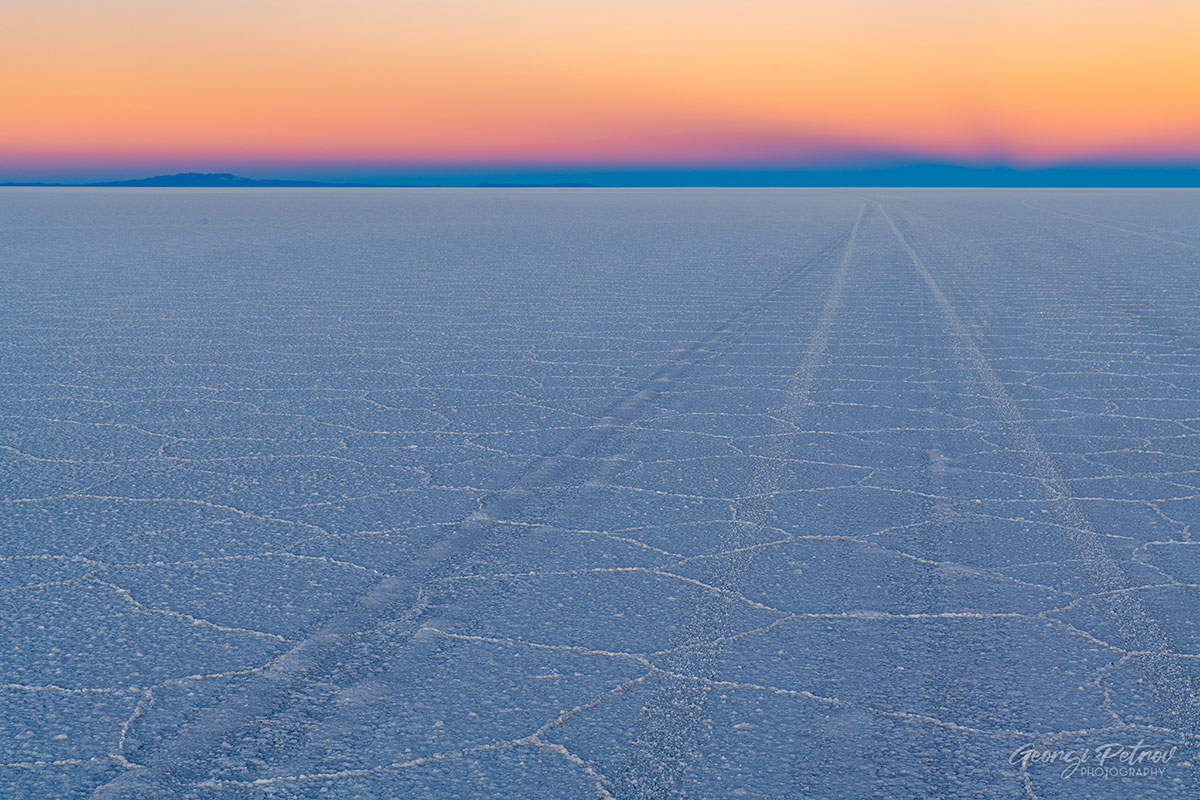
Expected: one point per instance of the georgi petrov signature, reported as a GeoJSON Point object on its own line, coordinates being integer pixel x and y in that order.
{"type": "Point", "coordinates": [1108, 760]}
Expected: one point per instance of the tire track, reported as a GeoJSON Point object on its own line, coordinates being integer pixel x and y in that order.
{"type": "Point", "coordinates": [668, 743]}
{"type": "Point", "coordinates": [1127, 227]}
{"type": "Point", "coordinates": [399, 601]}
{"type": "Point", "coordinates": [1102, 286]}
{"type": "Point", "coordinates": [1105, 573]}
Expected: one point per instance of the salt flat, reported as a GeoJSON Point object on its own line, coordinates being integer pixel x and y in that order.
{"type": "Point", "coordinates": [598, 493]}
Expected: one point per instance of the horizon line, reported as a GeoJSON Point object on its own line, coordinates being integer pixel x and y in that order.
{"type": "Point", "coordinates": [894, 175]}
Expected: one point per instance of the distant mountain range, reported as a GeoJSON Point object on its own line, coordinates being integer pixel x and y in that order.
{"type": "Point", "coordinates": [212, 179]}
{"type": "Point", "coordinates": [229, 180]}
{"type": "Point", "coordinates": [194, 179]}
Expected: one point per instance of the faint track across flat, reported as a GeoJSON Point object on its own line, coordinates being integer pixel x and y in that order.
{"type": "Point", "coordinates": [674, 727]}
{"type": "Point", "coordinates": [397, 599]}
{"type": "Point", "coordinates": [1126, 227]}
{"type": "Point", "coordinates": [1130, 616]}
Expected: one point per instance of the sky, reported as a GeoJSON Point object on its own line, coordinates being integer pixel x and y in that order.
{"type": "Point", "coordinates": [383, 89]}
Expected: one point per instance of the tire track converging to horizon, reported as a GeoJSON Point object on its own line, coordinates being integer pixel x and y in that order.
{"type": "Point", "coordinates": [669, 742]}
{"type": "Point", "coordinates": [1127, 227]}
{"type": "Point", "coordinates": [400, 600]}
{"type": "Point", "coordinates": [1101, 568]}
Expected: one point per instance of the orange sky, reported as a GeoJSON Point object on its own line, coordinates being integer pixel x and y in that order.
{"type": "Point", "coordinates": [658, 81]}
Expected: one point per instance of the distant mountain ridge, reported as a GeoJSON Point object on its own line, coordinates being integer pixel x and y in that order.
{"type": "Point", "coordinates": [198, 179]}
{"type": "Point", "coordinates": [218, 179]}
{"type": "Point", "coordinates": [228, 179]}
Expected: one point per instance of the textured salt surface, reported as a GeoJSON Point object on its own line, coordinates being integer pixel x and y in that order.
{"type": "Point", "coordinates": [630, 494]}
